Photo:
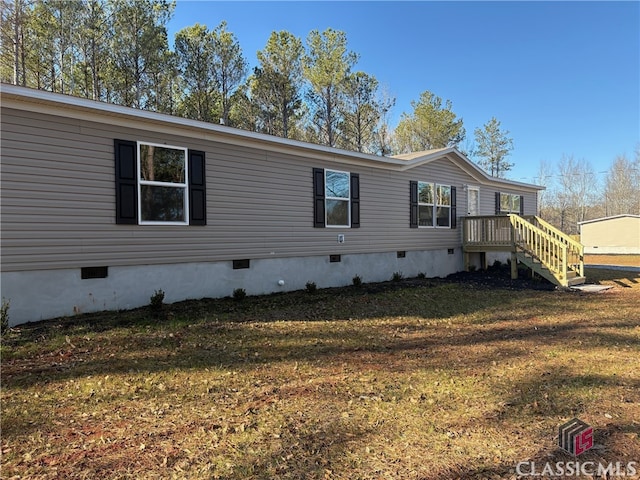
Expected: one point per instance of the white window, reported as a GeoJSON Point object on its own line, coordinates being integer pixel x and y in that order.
{"type": "Point", "coordinates": [434, 205]}
{"type": "Point", "coordinates": [426, 202]}
{"type": "Point", "coordinates": [337, 198]}
{"type": "Point", "coordinates": [509, 203]}
{"type": "Point", "coordinates": [443, 206]}
{"type": "Point", "coordinates": [162, 184]}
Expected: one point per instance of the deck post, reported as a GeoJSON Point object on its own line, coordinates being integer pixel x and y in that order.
{"type": "Point", "coordinates": [514, 266]}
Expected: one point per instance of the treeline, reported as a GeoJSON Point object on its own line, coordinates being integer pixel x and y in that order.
{"type": "Point", "coordinates": [576, 193]}
{"type": "Point", "coordinates": [118, 51]}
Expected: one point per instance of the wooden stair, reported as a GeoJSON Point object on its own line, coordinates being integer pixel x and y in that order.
{"type": "Point", "coordinates": [537, 267]}
{"type": "Point", "coordinates": [547, 251]}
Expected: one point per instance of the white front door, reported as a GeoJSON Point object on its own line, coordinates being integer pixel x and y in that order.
{"type": "Point", "coordinates": [473, 200]}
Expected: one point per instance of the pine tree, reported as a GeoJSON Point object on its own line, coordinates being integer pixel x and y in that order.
{"type": "Point", "coordinates": [194, 52]}
{"type": "Point", "coordinates": [275, 86]}
{"type": "Point", "coordinates": [362, 112]}
{"type": "Point", "coordinates": [493, 147]}
{"type": "Point", "coordinates": [326, 66]}
{"type": "Point", "coordinates": [229, 68]}
{"type": "Point", "coordinates": [431, 125]}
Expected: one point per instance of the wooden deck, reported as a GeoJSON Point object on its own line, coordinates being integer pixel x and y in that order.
{"type": "Point", "coordinates": [531, 241]}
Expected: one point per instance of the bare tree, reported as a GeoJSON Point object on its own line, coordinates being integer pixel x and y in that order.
{"type": "Point", "coordinates": [577, 191]}
{"type": "Point", "coordinates": [622, 186]}
{"type": "Point", "coordinates": [544, 178]}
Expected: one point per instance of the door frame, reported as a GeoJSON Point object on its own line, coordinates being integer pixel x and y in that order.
{"type": "Point", "coordinates": [477, 189]}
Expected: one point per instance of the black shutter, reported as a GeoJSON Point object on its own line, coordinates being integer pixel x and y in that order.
{"type": "Point", "coordinates": [497, 203]}
{"type": "Point", "coordinates": [197, 188]}
{"type": "Point", "coordinates": [521, 204]}
{"type": "Point", "coordinates": [126, 182]}
{"type": "Point", "coordinates": [318, 198]}
{"type": "Point", "coordinates": [413, 204]}
{"type": "Point", "coordinates": [454, 213]}
{"type": "Point", "coordinates": [355, 200]}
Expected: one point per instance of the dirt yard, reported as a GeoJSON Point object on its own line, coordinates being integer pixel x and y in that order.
{"type": "Point", "coordinates": [418, 379]}
{"type": "Point", "coordinates": [619, 260]}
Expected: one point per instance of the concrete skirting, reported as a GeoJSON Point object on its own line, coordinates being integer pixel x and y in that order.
{"type": "Point", "coordinates": [40, 295]}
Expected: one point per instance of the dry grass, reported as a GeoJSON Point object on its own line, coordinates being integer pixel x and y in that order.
{"type": "Point", "coordinates": [426, 379]}
{"type": "Point", "coordinates": [618, 260]}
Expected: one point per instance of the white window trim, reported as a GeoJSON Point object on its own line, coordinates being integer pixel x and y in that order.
{"type": "Point", "coordinates": [477, 190]}
{"type": "Point", "coordinates": [438, 204]}
{"type": "Point", "coordinates": [184, 186]}
{"type": "Point", "coordinates": [327, 197]}
{"type": "Point", "coordinates": [432, 205]}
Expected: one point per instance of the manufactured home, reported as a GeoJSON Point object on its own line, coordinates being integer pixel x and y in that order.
{"type": "Point", "coordinates": [102, 205]}
{"type": "Point", "coordinates": [619, 234]}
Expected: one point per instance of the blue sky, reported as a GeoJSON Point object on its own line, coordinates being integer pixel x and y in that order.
{"type": "Point", "coordinates": [561, 77]}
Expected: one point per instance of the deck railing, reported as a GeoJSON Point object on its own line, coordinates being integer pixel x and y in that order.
{"type": "Point", "coordinates": [493, 232]}
{"type": "Point", "coordinates": [575, 250]}
{"type": "Point", "coordinates": [534, 241]}
{"type": "Point", "coordinates": [529, 235]}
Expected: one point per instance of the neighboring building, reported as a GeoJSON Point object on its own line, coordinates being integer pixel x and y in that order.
{"type": "Point", "coordinates": [102, 205]}
{"type": "Point", "coordinates": [619, 234]}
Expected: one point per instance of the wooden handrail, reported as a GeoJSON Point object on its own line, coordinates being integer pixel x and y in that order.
{"type": "Point", "coordinates": [530, 234]}
{"type": "Point", "coordinates": [546, 226]}
{"type": "Point", "coordinates": [539, 244]}
{"type": "Point", "coordinates": [575, 250]}
{"type": "Point", "coordinates": [487, 230]}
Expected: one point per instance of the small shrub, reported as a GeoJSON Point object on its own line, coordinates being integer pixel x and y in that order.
{"type": "Point", "coordinates": [156, 300]}
{"type": "Point", "coordinates": [396, 277]}
{"type": "Point", "coordinates": [422, 275]}
{"type": "Point", "coordinates": [497, 264]}
{"type": "Point", "coordinates": [4, 316]}
{"type": "Point", "coordinates": [239, 294]}
{"type": "Point", "coordinates": [472, 268]}
{"type": "Point", "coordinates": [311, 287]}
{"type": "Point", "coordinates": [357, 281]}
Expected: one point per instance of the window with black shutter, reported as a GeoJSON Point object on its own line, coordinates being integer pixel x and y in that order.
{"type": "Point", "coordinates": [509, 203]}
{"type": "Point", "coordinates": [159, 184]}
{"type": "Point", "coordinates": [336, 199]}
{"type": "Point", "coordinates": [432, 205]}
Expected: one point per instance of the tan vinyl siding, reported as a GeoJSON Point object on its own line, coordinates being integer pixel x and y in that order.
{"type": "Point", "coordinates": [488, 199]}
{"type": "Point", "coordinates": [58, 201]}
{"type": "Point", "coordinates": [622, 231]}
